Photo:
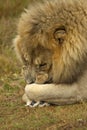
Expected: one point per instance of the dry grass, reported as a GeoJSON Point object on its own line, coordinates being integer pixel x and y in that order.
{"type": "Point", "coordinates": [12, 7]}
{"type": "Point", "coordinates": [13, 114]}
{"type": "Point", "coordinates": [8, 61]}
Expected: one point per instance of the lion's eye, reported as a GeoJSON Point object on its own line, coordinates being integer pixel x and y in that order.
{"type": "Point", "coordinates": [43, 64]}
{"type": "Point", "coordinates": [59, 35]}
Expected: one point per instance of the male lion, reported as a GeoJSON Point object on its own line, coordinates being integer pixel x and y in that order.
{"type": "Point", "coordinates": [57, 31]}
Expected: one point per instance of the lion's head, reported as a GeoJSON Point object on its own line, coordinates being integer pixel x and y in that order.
{"type": "Point", "coordinates": [56, 33]}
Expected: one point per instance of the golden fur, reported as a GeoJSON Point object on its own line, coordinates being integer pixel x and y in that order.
{"type": "Point", "coordinates": [60, 28]}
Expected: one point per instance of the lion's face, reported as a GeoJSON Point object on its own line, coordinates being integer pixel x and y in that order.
{"type": "Point", "coordinates": [39, 68]}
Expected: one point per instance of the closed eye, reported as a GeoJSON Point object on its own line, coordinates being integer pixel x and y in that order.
{"type": "Point", "coordinates": [43, 64]}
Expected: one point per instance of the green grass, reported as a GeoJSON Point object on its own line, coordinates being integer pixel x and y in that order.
{"type": "Point", "coordinates": [13, 114]}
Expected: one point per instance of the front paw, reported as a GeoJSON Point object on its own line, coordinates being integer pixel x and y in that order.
{"type": "Point", "coordinates": [44, 104]}
{"type": "Point", "coordinates": [39, 103]}
{"type": "Point", "coordinates": [34, 104]}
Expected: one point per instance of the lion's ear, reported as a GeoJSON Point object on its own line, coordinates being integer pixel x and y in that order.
{"type": "Point", "coordinates": [59, 34]}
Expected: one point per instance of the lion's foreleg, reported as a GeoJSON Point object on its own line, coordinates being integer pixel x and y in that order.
{"type": "Point", "coordinates": [52, 93]}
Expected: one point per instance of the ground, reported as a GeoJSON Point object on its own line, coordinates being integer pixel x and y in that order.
{"type": "Point", "coordinates": [13, 113]}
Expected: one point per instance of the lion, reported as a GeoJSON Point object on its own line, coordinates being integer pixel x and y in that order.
{"type": "Point", "coordinates": [56, 30]}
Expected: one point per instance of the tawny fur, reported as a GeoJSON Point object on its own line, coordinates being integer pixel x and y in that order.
{"type": "Point", "coordinates": [59, 26]}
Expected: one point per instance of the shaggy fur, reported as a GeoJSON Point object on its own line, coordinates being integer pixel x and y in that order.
{"type": "Point", "coordinates": [60, 27]}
